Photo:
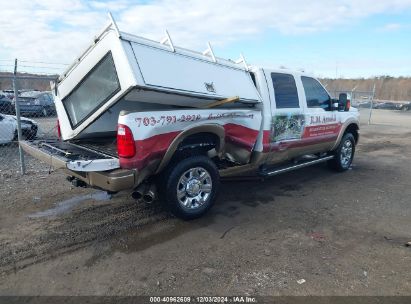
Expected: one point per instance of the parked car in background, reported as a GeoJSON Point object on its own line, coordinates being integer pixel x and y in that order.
{"type": "Point", "coordinates": [386, 106]}
{"type": "Point", "coordinates": [37, 103]}
{"type": "Point", "coordinates": [8, 128]}
{"type": "Point", "coordinates": [8, 93]}
{"type": "Point", "coordinates": [405, 106]}
{"type": "Point", "coordinates": [6, 105]}
{"type": "Point", "coordinates": [364, 104]}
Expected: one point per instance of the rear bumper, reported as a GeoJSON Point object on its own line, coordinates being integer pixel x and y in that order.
{"type": "Point", "coordinates": [114, 180]}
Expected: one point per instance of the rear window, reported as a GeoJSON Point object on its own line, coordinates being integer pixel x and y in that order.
{"type": "Point", "coordinates": [285, 91]}
{"type": "Point", "coordinates": [99, 85]}
{"type": "Point", "coordinates": [26, 100]}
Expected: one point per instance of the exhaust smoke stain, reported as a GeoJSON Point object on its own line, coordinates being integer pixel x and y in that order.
{"type": "Point", "coordinates": [69, 204]}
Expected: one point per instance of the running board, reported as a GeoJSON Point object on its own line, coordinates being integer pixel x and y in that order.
{"type": "Point", "coordinates": [280, 170]}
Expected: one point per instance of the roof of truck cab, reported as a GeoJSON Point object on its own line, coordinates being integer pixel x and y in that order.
{"type": "Point", "coordinates": [281, 70]}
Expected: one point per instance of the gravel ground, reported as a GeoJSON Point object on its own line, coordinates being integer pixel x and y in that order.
{"type": "Point", "coordinates": [308, 232]}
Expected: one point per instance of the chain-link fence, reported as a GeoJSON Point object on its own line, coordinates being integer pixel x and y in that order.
{"type": "Point", "coordinates": [25, 113]}
{"type": "Point", "coordinates": [362, 100]}
{"type": "Point", "coordinates": [28, 113]}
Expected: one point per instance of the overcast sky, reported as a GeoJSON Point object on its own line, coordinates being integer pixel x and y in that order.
{"type": "Point", "coordinates": [349, 38]}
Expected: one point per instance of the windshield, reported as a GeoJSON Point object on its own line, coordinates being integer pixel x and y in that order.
{"type": "Point", "coordinates": [99, 85]}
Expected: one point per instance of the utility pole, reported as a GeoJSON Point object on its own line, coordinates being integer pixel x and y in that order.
{"type": "Point", "coordinates": [17, 106]}
{"type": "Point", "coordinates": [352, 94]}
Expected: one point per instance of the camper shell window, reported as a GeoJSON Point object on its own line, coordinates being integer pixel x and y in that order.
{"type": "Point", "coordinates": [95, 89]}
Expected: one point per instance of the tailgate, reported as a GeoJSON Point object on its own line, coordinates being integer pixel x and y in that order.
{"type": "Point", "coordinates": [70, 156]}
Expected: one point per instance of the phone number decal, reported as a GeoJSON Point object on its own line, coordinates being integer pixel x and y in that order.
{"type": "Point", "coordinates": [165, 120]}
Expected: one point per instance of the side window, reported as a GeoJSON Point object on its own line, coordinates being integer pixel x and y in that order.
{"type": "Point", "coordinates": [285, 91]}
{"type": "Point", "coordinates": [316, 95]}
{"type": "Point", "coordinates": [47, 99]}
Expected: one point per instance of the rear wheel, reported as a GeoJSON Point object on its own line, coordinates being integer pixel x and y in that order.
{"type": "Point", "coordinates": [344, 154]}
{"type": "Point", "coordinates": [32, 133]}
{"type": "Point", "coordinates": [189, 187]}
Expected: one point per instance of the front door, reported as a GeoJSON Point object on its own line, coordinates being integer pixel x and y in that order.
{"type": "Point", "coordinates": [322, 124]}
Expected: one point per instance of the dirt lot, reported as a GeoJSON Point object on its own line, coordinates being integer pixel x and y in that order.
{"type": "Point", "coordinates": [344, 234]}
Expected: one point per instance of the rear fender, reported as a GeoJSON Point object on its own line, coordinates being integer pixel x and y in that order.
{"type": "Point", "coordinates": [218, 130]}
{"type": "Point", "coordinates": [158, 134]}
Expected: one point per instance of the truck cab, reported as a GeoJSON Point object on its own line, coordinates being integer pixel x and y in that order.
{"type": "Point", "coordinates": [299, 115]}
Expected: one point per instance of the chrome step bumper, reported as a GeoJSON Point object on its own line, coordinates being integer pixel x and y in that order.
{"type": "Point", "coordinates": [279, 170]}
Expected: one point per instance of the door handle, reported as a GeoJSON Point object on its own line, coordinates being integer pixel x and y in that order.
{"type": "Point", "coordinates": [282, 146]}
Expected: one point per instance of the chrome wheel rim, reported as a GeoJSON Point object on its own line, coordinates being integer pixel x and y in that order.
{"type": "Point", "coordinates": [194, 188]}
{"type": "Point", "coordinates": [346, 153]}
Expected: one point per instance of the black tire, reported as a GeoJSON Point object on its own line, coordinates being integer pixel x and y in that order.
{"type": "Point", "coordinates": [32, 134]}
{"type": "Point", "coordinates": [10, 110]}
{"type": "Point", "coordinates": [344, 154]}
{"type": "Point", "coordinates": [173, 185]}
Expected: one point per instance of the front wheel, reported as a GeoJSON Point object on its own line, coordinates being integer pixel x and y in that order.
{"type": "Point", "coordinates": [189, 187]}
{"type": "Point", "coordinates": [344, 154]}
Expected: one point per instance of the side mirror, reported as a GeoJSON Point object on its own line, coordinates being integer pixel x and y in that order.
{"type": "Point", "coordinates": [342, 101]}
{"type": "Point", "coordinates": [333, 104]}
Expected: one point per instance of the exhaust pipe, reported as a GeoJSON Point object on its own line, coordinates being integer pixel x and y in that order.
{"type": "Point", "coordinates": [150, 195]}
{"type": "Point", "coordinates": [139, 192]}
{"type": "Point", "coordinates": [78, 183]}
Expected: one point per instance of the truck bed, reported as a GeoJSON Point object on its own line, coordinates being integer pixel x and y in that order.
{"type": "Point", "coordinates": [106, 145]}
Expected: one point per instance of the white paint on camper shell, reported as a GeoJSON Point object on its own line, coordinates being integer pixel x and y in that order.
{"type": "Point", "coordinates": [184, 78]}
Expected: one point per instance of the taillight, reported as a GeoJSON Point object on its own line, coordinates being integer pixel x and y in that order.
{"type": "Point", "coordinates": [348, 105]}
{"type": "Point", "coordinates": [58, 129]}
{"type": "Point", "coordinates": [126, 146]}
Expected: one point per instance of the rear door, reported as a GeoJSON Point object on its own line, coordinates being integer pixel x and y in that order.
{"type": "Point", "coordinates": [287, 111]}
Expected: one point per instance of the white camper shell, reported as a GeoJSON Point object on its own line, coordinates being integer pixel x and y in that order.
{"type": "Point", "coordinates": [123, 72]}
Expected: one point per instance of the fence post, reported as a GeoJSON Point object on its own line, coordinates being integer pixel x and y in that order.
{"type": "Point", "coordinates": [17, 106]}
{"type": "Point", "coordinates": [371, 104]}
